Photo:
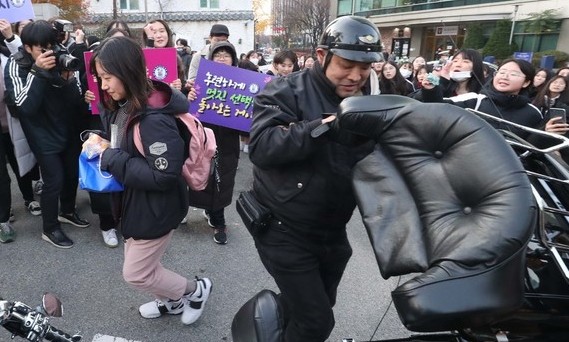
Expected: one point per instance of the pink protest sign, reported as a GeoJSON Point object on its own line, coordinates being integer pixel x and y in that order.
{"type": "Point", "coordinates": [161, 65]}
{"type": "Point", "coordinates": [225, 94]}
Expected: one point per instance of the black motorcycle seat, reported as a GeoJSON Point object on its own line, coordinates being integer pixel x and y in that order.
{"type": "Point", "coordinates": [445, 196]}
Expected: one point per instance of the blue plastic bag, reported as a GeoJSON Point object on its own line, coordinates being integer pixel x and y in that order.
{"type": "Point", "coordinates": [92, 178]}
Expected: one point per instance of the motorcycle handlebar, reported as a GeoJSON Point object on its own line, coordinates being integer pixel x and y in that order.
{"type": "Point", "coordinates": [56, 335]}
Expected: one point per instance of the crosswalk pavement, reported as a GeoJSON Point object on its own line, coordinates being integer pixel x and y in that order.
{"type": "Point", "coordinates": [107, 338]}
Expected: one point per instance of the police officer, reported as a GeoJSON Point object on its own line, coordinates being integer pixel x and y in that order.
{"type": "Point", "coordinates": [302, 173]}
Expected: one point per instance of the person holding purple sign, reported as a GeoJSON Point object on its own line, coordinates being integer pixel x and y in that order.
{"type": "Point", "coordinates": [214, 199]}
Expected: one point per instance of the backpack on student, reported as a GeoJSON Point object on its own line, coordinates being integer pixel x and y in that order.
{"type": "Point", "coordinates": [201, 161]}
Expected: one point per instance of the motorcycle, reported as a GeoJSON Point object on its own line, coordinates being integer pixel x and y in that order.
{"type": "Point", "coordinates": [33, 324]}
{"type": "Point", "coordinates": [480, 214]}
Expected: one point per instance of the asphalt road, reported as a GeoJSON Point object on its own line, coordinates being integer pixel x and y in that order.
{"type": "Point", "coordinates": [97, 302]}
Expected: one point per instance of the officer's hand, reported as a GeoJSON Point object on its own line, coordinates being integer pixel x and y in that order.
{"type": "Point", "coordinates": [46, 60]}
{"type": "Point", "coordinates": [328, 119]}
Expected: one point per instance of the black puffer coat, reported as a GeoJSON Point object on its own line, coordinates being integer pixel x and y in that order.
{"type": "Point", "coordinates": [154, 200]}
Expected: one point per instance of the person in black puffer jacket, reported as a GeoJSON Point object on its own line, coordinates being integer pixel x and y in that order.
{"type": "Point", "coordinates": [154, 199]}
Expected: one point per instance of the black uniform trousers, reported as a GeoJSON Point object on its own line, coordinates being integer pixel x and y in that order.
{"type": "Point", "coordinates": [307, 268]}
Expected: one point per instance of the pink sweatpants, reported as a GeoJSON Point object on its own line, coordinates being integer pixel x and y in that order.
{"type": "Point", "coordinates": [143, 270]}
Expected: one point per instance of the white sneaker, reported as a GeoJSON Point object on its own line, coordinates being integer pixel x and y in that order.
{"type": "Point", "coordinates": [110, 238]}
{"type": "Point", "coordinates": [34, 207]}
{"type": "Point", "coordinates": [195, 301]}
{"type": "Point", "coordinates": [206, 216]}
{"type": "Point", "coordinates": [157, 308]}
{"type": "Point", "coordinates": [185, 219]}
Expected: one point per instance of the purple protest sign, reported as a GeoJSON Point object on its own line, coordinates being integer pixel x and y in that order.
{"type": "Point", "coordinates": [161, 65]}
{"type": "Point", "coordinates": [16, 10]}
{"type": "Point", "coordinates": [225, 94]}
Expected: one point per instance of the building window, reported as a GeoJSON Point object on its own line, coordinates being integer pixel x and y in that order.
{"type": "Point", "coordinates": [344, 7]}
{"type": "Point", "coordinates": [209, 3]}
{"type": "Point", "coordinates": [129, 5]}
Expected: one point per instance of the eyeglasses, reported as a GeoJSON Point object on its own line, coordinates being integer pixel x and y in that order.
{"type": "Point", "coordinates": [221, 55]}
{"type": "Point", "coordinates": [507, 73]}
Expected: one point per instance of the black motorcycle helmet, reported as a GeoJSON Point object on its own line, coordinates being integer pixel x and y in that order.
{"type": "Point", "coordinates": [353, 38]}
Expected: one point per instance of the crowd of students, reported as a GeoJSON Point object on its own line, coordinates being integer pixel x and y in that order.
{"type": "Point", "coordinates": [156, 200]}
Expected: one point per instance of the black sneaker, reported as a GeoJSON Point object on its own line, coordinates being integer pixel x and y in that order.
{"type": "Point", "coordinates": [58, 239]}
{"type": "Point", "coordinates": [73, 219]}
{"type": "Point", "coordinates": [219, 235]}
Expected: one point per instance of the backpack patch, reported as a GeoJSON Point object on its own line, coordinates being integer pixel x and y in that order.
{"type": "Point", "coordinates": [201, 162]}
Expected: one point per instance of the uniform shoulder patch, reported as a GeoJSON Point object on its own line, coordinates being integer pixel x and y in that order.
{"type": "Point", "coordinates": [158, 148]}
{"type": "Point", "coordinates": [161, 163]}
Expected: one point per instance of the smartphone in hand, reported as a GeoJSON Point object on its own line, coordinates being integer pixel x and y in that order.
{"type": "Point", "coordinates": [558, 112]}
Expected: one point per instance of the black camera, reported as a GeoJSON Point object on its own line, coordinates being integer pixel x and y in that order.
{"type": "Point", "coordinates": [62, 27]}
{"type": "Point", "coordinates": [64, 61]}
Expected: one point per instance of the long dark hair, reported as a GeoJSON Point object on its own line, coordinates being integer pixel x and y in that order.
{"type": "Point", "coordinates": [477, 78]}
{"type": "Point", "coordinates": [398, 85]}
{"type": "Point", "coordinates": [122, 57]}
{"type": "Point", "coordinates": [168, 30]}
{"type": "Point", "coordinates": [540, 99]}
{"type": "Point", "coordinates": [118, 23]}
{"type": "Point", "coordinates": [535, 90]}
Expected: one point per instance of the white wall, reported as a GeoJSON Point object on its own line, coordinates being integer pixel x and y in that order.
{"type": "Point", "coordinates": [106, 6]}
{"type": "Point", "coordinates": [45, 11]}
{"type": "Point", "coordinates": [196, 32]}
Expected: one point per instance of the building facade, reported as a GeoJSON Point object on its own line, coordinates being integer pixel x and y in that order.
{"type": "Point", "coordinates": [419, 27]}
{"type": "Point", "coordinates": [191, 20]}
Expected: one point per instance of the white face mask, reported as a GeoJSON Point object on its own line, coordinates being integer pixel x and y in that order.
{"type": "Point", "coordinates": [405, 72]}
{"type": "Point", "coordinates": [254, 60]}
{"type": "Point", "coordinates": [459, 76]}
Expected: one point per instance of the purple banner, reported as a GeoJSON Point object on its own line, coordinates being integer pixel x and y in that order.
{"type": "Point", "coordinates": [16, 10]}
{"type": "Point", "coordinates": [225, 94]}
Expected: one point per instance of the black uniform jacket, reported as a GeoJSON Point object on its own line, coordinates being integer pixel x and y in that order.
{"type": "Point", "coordinates": [305, 181]}
{"type": "Point", "coordinates": [154, 200]}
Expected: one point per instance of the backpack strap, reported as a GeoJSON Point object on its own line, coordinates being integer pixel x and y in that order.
{"type": "Point", "coordinates": [138, 139]}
